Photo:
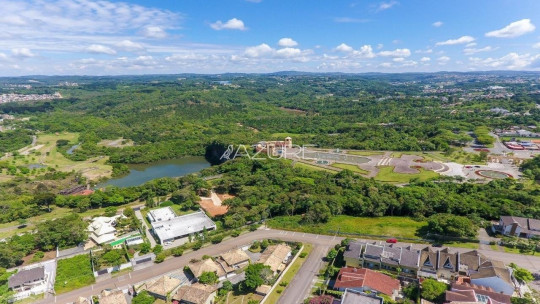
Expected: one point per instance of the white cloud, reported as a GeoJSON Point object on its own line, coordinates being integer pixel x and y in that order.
{"type": "Point", "coordinates": [443, 60]}
{"type": "Point", "coordinates": [470, 51]}
{"type": "Point", "coordinates": [426, 51]}
{"type": "Point", "coordinates": [398, 59]}
{"type": "Point", "coordinates": [380, 46]}
{"type": "Point", "coordinates": [386, 5]}
{"type": "Point", "coordinates": [396, 53]}
{"type": "Point", "coordinates": [100, 49]}
{"type": "Point", "coordinates": [425, 59]}
{"type": "Point", "coordinates": [3, 56]}
{"type": "Point", "coordinates": [536, 45]}
{"type": "Point", "coordinates": [437, 24]}
{"type": "Point", "coordinates": [514, 29]}
{"type": "Point", "coordinates": [460, 40]}
{"type": "Point", "coordinates": [287, 42]}
{"type": "Point", "coordinates": [510, 61]}
{"type": "Point", "coordinates": [386, 65]}
{"type": "Point", "coordinates": [130, 46]}
{"type": "Point", "coordinates": [22, 52]}
{"type": "Point", "coordinates": [288, 52]}
{"type": "Point", "coordinates": [232, 24]}
{"type": "Point", "coordinates": [344, 48]}
{"type": "Point", "coordinates": [154, 32]}
{"type": "Point", "coordinates": [470, 44]}
{"type": "Point", "coordinates": [259, 50]}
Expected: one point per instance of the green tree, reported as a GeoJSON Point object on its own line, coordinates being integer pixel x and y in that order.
{"type": "Point", "coordinates": [452, 225]}
{"type": "Point", "coordinates": [208, 277]}
{"type": "Point", "coordinates": [143, 298]}
{"type": "Point", "coordinates": [113, 257]}
{"type": "Point", "coordinates": [332, 254]}
{"type": "Point", "coordinates": [253, 276]}
{"type": "Point", "coordinates": [522, 274]}
{"type": "Point", "coordinates": [433, 290]}
{"type": "Point", "coordinates": [145, 247]}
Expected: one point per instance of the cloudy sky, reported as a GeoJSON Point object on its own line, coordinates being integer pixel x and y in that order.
{"type": "Point", "coordinates": [83, 37]}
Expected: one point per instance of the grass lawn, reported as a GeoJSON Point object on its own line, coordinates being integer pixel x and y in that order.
{"type": "Point", "coordinates": [469, 245]}
{"type": "Point", "coordinates": [289, 275]}
{"type": "Point", "coordinates": [516, 251]}
{"type": "Point", "coordinates": [387, 174]}
{"type": "Point", "coordinates": [386, 226]}
{"type": "Point", "coordinates": [73, 273]}
{"type": "Point", "coordinates": [365, 153]}
{"type": "Point", "coordinates": [353, 168]}
{"type": "Point", "coordinates": [494, 247]}
{"type": "Point", "coordinates": [312, 167]}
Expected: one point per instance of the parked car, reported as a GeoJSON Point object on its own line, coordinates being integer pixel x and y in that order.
{"type": "Point", "coordinates": [392, 241]}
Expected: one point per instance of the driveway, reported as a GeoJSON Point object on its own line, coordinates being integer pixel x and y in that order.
{"type": "Point", "coordinates": [149, 236]}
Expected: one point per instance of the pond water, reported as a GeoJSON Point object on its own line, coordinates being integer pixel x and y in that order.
{"type": "Point", "coordinates": [36, 166]}
{"type": "Point", "coordinates": [70, 151]}
{"type": "Point", "coordinates": [139, 174]}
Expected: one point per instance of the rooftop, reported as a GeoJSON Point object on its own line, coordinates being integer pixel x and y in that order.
{"type": "Point", "coordinates": [26, 276]}
{"type": "Point", "coordinates": [235, 256]}
{"type": "Point", "coordinates": [182, 225]}
{"type": "Point", "coordinates": [275, 255]}
{"type": "Point", "coordinates": [350, 277]}
{"type": "Point", "coordinates": [161, 214]}
{"type": "Point", "coordinates": [196, 293]}
{"type": "Point", "coordinates": [355, 297]}
{"type": "Point", "coordinates": [163, 285]}
{"type": "Point", "coordinates": [112, 297]}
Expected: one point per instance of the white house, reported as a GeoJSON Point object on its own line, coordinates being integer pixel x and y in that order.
{"type": "Point", "coordinates": [167, 227]}
{"type": "Point", "coordinates": [102, 229]}
{"type": "Point", "coordinates": [495, 275]}
{"type": "Point", "coordinates": [519, 226]}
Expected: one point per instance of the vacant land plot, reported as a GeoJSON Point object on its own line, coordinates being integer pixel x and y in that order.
{"type": "Point", "coordinates": [73, 273]}
{"type": "Point", "coordinates": [116, 143]}
{"type": "Point", "coordinates": [353, 168]}
{"type": "Point", "coordinates": [312, 167]}
{"type": "Point", "coordinates": [386, 226]}
{"type": "Point", "coordinates": [387, 174]}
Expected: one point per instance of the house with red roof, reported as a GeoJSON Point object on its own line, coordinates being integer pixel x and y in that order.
{"type": "Point", "coordinates": [363, 279]}
{"type": "Point", "coordinates": [463, 291]}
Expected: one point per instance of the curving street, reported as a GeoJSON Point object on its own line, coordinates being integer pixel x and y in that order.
{"type": "Point", "coordinates": [298, 288]}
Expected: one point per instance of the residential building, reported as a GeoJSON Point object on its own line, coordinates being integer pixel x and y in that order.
{"type": "Point", "coordinates": [462, 290]}
{"type": "Point", "coordinates": [167, 226]}
{"type": "Point", "coordinates": [392, 258]}
{"type": "Point", "coordinates": [353, 253]}
{"type": "Point", "coordinates": [495, 275]}
{"type": "Point", "coordinates": [102, 229]}
{"type": "Point", "coordinates": [447, 265]}
{"type": "Point", "coordinates": [263, 290]}
{"type": "Point", "coordinates": [208, 265]}
{"type": "Point", "coordinates": [82, 300]}
{"type": "Point", "coordinates": [195, 294]}
{"type": "Point", "coordinates": [518, 226]}
{"type": "Point", "coordinates": [112, 297]}
{"type": "Point", "coordinates": [276, 257]}
{"type": "Point", "coordinates": [470, 262]}
{"type": "Point", "coordinates": [363, 279]}
{"type": "Point", "coordinates": [162, 287]}
{"type": "Point", "coordinates": [428, 263]}
{"type": "Point", "coordinates": [29, 279]}
{"type": "Point", "coordinates": [355, 297]}
{"type": "Point", "coordinates": [233, 259]}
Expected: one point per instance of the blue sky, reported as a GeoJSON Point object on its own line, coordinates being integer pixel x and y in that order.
{"type": "Point", "coordinates": [64, 37]}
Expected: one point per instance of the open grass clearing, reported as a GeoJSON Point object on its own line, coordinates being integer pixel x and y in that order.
{"type": "Point", "coordinates": [393, 226]}
{"type": "Point", "coordinates": [312, 167]}
{"type": "Point", "coordinates": [387, 174]}
{"type": "Point", "coordinates": [289, 275]}
{"type": "Point", "coordinates": [468, 245]}
{"type": "Point", "coordinates": [353, 168]}
{"type": "Point", "coordinates": [73, 273]}
{"type": "Point", "coordinates": [365, 153]}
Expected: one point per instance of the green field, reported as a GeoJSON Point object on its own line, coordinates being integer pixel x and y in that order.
{"type": "Point", "coordinates": [387, 174]}
{"type": "Point", "coordinates": [393, 226]}
{"type": "Point", "coordinates": [289, 275]}
{"type": "Point", "coordinates": [353, 168]}
{"type": "Point", "coordinates": [312, 167]}
{"type": "Point", "coordinates": [73, 273]}
{"type": "Point", "coordinates": [365, 153]}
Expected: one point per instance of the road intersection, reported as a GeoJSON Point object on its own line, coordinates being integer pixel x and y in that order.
{"type": "Point", "coordinates": [298, 288]}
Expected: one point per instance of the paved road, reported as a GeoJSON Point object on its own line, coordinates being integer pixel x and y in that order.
{"type": "Point", "coordinates": [299, 287]}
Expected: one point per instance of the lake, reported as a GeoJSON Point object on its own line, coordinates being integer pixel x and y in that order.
{"type": "Point", "coordinates": [139, 174]}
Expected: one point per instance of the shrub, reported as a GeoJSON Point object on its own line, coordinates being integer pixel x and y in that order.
{"type": "Point", "coordinates": [158, 249]}
{"type": "Point", "coordinates": [303, 255]}
{"type": "Point", "coordinates": [235, 233]}
{"type": "Point", "coordinates": [217, 239]}
{"type": "Point", "coordinates": [197, 245]}
{"type": "Point", "coordinates": [160, 258]}
{"type": "Point", "coordinates": [177, 251]}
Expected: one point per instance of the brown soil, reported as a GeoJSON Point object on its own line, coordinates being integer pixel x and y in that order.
{"type": "Point", "coordinates": [223, 197]}
{"type": "Point", "coordinates": [27, 260]}
{"type": "Point", "coordinates": [212, 209]}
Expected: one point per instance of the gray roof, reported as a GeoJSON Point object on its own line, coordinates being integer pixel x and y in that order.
{"type": "Point", "coordinates": [26, 276]}
{"type": "Point", "coordinates": [410, 257]}
{"type": "Point", "coordinates": [355, 297]}
{"type": "Point", "coordinates": [354, 250]}
{"type": "Point", "coordinates": [182, 225]}
{"type": "Point", "coordinates": [391, 255]}
{"type": "Point", "coordinates": [374, 251]}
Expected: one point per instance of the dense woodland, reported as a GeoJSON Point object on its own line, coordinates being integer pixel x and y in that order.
{"type": "Point", "coordinates": [167, 118]}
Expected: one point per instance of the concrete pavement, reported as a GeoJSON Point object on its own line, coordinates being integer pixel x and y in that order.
{"type": "Point", "coordinates": [149, 236]}
{"type": "Point", "coordinates": [299, 288]}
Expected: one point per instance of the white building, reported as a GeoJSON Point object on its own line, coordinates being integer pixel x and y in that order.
{"type": "Point", "coordinates": [102, 229]}
{"type": "Point", "coordinates": [167, 226]}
